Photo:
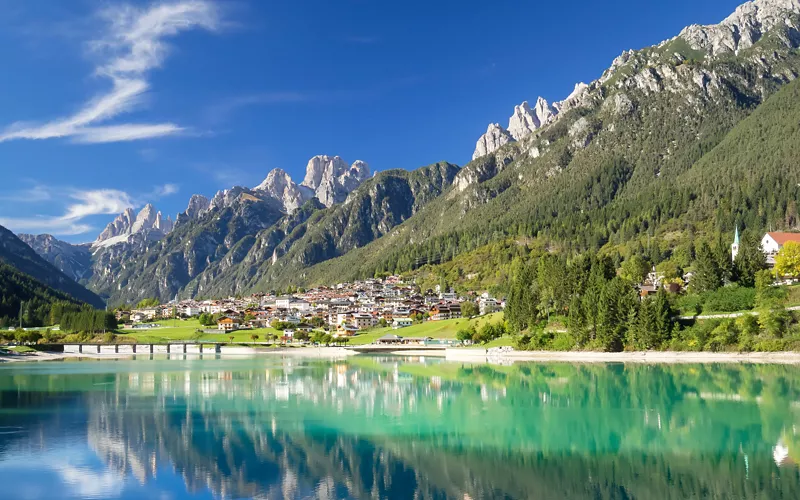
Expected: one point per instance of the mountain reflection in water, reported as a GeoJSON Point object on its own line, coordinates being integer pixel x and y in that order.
{"type": "Point", "coordinates": [372, 427]}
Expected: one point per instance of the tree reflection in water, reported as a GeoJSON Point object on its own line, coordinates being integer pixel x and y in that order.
{"type": "Point", "coordinates": [402, 428]}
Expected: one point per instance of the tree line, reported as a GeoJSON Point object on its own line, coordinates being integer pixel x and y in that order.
{"type": "Point", "coordinates": [600, 306]}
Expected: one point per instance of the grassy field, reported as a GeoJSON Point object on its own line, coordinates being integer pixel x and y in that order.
{"type": "Point", "coordinates": [436, 329]}
{"type": "Point", "coordinates": [21, 349]}
{"type": "Point", "coordinates": [187, 330]}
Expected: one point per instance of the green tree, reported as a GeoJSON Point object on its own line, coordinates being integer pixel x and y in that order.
{"type": "Point", "coordinates": [615, 308]}
{"type": "Point", "coordinates": [722, 256]}
{"type": "Point", "coordinates": [635, 269]}
{"type": "Point", "coordinates": [469, 309]}
{"type": "Point", "coordinates": [749, 260]}
{"type": "Point", "coordinates": [467, 333]}
{"type": "Point", "coordinates": [707, 275]}
{"type": "Point", "coordinates": [149, 302]}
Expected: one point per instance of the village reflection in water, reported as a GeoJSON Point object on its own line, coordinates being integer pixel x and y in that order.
{"type": "Point", "coordinates": [408, 427]}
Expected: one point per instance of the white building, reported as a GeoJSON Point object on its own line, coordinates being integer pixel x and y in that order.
{"type": "Point", "coordinates": [191, 311]}
{"type": "Point", "coordinates": [401, 323]}
{"type": "Point", "coordinates": [363, 321]}
{"type": "Point", "coordinates": [772, 243]}
{"type": "Point", "coordinates": [488, 305]}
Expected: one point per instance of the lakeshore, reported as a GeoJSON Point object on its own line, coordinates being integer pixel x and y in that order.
{"type": "Point", "coordinates": [469, 355]}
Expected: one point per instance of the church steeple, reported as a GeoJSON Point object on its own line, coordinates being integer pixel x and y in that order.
{"type": "Point", "coordinates": [735, 245]}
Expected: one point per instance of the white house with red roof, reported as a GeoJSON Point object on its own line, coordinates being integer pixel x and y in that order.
{"type": "Point", "coordinates": [772, 243]}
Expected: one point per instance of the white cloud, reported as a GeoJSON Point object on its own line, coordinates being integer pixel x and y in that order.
{"type": "Point", "coordinates": [165, 190]}
{"type": "Point", "coordinates": [44, 224]}
{"type": "Point", "coordinates": [85, 203]}
{"type": "Point", "coordinates": [98, 202]}
{"type": "Point", "coordinates": [133, 45]}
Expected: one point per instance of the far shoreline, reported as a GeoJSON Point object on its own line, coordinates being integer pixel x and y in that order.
{"type": "Point", "coordinates": [468, 355]}
{"type": "Point", "coordinates": [643, 357]}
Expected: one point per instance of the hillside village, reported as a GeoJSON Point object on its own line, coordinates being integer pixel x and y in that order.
{"type": "Point", "coordinates": [345, 309]}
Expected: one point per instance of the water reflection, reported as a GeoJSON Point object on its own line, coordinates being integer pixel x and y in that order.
{"type": "Point", "coordinates": [393, 428]}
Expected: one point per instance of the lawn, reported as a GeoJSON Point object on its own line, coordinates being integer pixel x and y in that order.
{"type": "Point", "coordinates": [446, 329]}
{"type": "Point", "coordinates": [173, 330]}
{"type": "Point", "coordinates": [21, 349]}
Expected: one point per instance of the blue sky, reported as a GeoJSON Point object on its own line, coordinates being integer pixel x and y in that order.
{"type": "Point", "coordinates": [106, 104]}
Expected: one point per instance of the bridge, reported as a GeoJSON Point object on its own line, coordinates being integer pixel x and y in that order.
{"type": "Point", "coordinates": [174, 348]}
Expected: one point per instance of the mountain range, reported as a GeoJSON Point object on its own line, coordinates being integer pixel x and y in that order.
{"type": "Point", "coordinates": [692, 135]}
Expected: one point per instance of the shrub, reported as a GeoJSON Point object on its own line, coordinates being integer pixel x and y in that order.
{"type": "Point", "coordinates": [748, 330]}
{"type": "Point", "coordinates": [696, 336]}
{"type": "Point", "coordinates": [774, 321]}
{"type": "Point", "coordinates": [724, 335]}
{"type": "Point", "coordinates": [563, 341]}
{"type": "Point", "coordinates": [689, 304]}
{"type": "Point", "coordinates": [730, 299]}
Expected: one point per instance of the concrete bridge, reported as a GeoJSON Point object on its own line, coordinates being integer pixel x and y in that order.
{"type": "Point", "coordinates": [182, 348]}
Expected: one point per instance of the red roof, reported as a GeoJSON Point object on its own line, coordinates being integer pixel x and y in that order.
{"type": "Point", "coordinates": [782, 238]}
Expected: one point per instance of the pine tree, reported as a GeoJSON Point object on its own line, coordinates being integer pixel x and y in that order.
{"type": "Point", "coordinates": [749, 260]}
{"type": "Point", "coordinates": [707, 275]}
{"type": "Point", "coordinates": [722, 256]}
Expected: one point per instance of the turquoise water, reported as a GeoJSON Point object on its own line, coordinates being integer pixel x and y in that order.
{"type": "Point", "coordinates": [373, 427]}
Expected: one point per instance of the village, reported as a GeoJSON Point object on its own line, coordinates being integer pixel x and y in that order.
{"type": "Point", "coordinates": [344, 310]}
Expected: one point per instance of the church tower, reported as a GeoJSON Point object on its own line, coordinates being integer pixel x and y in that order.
{"type": "Point", "coordinates": [735, 245]}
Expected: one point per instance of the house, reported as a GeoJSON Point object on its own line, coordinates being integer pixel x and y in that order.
{"type": "Point", "coordinates": [345, 330]}
{"type": "Point", "coordinates": [647, 289]}
{"type": "Point", "coordinates": [148, 313]}
{"type": "Point", "coordinates": [137, 317]}
{"type": "Point", "coordinates": [402, 323]}
{"type": "Point", "coordinates": [445, 311]}
{"type": "Point", "coordinates": [363, 321]}
{"type": "Point", "coordinates": [227, 324]}
{"type": "Point", "coordinates": [772, 243]}
{"type": "Point", "coordinates": [487, 304]}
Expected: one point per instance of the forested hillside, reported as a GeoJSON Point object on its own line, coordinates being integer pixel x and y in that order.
{"type": "Point", "coordinates": [15, 253]}
{"type": "Point", "coordinates": [655, 171]}
{"type": "Point", "coordinates": [21, 295]}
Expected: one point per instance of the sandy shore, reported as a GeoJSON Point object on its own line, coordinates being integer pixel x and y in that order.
{"type": "Point", "coordinates": [49, 356]}
{"type": "Point", "coordinates": [480, 355]}
{"type": "Point", "coordinates": [307, 352]}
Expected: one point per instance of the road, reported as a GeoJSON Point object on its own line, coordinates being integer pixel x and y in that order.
{"type": "Point", "coordinates": [733, 315]}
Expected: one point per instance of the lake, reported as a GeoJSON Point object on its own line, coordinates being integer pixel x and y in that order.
{"type": "Point", "coordinates": [389, 427]}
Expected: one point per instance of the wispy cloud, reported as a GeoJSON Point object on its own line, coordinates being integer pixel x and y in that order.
{"type": "Point", "coordinates": [36, 194]}
{"type": "Point", "coordinates": [165, 190]}
{"type": "Point", "coordinates": [83, 204]}
{"type": "Point", "coordinates": [221, 110]}
{"type": "Point", "coordinates": [133, 44]}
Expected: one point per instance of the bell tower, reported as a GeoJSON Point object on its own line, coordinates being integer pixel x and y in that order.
{"type": "Point", "coordinates": [735, 245]}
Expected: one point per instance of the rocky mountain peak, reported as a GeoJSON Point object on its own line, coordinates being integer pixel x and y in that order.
{"type": "Point", "coordinates": [742, 29]}
{"type": "Point", "coordinates": [198, 205]}
{"type": "Point", "coordinates": [148, 222]}
{"type": "Point", "coordinates": [494, 138]}
{"type": "Point", "coordinates": [525, 120]}
{"type": "Point", "coordinates": [280, 186]}
{"type": "Point", "coordinates": [331, 179]}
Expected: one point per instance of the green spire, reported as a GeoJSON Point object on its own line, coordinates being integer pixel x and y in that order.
{"type": "Point", "coordinates": [736, 237]}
